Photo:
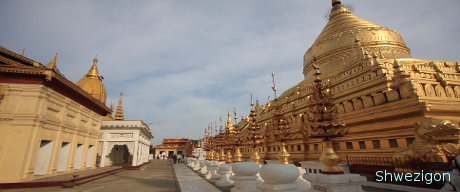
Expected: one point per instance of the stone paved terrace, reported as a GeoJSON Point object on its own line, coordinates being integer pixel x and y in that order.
{"type": "Point", "coordinates": [158, 176]}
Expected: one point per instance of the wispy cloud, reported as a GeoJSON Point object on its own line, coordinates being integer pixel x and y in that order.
{"type": "Point", "coordinates": [184, 63]}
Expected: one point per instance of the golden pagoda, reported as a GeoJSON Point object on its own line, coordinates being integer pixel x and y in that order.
{"type": "Point", "coordinates": [378, 89]}
{"type": "Point", "coordinates": [92, 83]}
{"type": "Point", "coordinates": [346, 39]}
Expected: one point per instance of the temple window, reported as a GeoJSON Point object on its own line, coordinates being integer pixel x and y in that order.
{"type": "Point", "coordinates": [393, 143]}
{"type": "Point", "coordinates": [336, 146]}
{"type": "Point", "coordinates": [315, 146]}
{"type": "Point", "coordinates": [292, 147]}
{"type": "Point", "coordinates": [307, 147]}
{"type": "Point", "coordinates": [362, 145]}
{"type": "Point", "coordinates": [349, 145]}
{"type": "Point", "coordinates": [409, 141]}
{"type": "Point", "coordinates": [376, 144]}
{"type": "Point", "coordinates": [298, 148]}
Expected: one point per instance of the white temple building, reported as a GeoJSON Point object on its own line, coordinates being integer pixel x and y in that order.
{"type": "Point", "coordinates": [198, 151]}
{"type": "Point", "coordinates": [123, 141]}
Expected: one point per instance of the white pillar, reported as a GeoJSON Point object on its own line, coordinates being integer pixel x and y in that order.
{"type": "Point", "coordinates": [147, 154]}
{"type": "Point", "coordinates": [143, 154]}
{"type": "Point", "coordinates": [138, 152]}
{"type": "Point", "coordinates": [103, 154]}
{"type": "Point", "coordinates": [134, 163]}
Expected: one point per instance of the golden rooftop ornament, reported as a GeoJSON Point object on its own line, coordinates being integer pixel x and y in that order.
{"type": "Point", "coordinates": [280, 128]}
{"type": "Point", "coordinates": [254, 134]}
{"type": "Point", "coordinates": [323, 121]}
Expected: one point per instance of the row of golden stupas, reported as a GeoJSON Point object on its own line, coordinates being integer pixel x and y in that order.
{"type": "Point", "coordinates": [379, 91]}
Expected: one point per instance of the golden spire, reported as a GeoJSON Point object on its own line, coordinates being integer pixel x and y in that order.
{"type": "Point", "coordinates": [52, 63]}
{"type": "Point", "coordinates": [400, 77]}
{"type": "Point", "coordinates": [257, 108]}
{"type": "Point", "coordinates": [109, 116]}
{"type": "Point", "coordinates": [119, 113]}
{"type": "Point", "coordinates": [111, 106]}
{"type": "Point", "coordinates": [335, 2]}
{"type": "Point", "coordinates": [229, 124]}
{"type": "Point", "coordinates": [91, 82]}
{"type": "Point", "coordinates": [358, 50]}
{"type": "Point", "coordinates": [198, 145]}
{"type": "Point", "coordinates": [93, 72]}
{"type": "Point", "coordinates": [229, 119]}
{"type": "Point", "coordinates": [337, 8]}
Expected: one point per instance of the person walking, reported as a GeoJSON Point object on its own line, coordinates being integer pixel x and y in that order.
{"type": "Point", "coordinates": [179, 158]}
{"type": "Point", "coordinates": [174, 158]}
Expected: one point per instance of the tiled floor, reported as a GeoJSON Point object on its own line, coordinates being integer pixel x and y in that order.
{"type": "Point", "coordinates": [189, 181]}
{"type": "Point", "coordinates": [157, 176]}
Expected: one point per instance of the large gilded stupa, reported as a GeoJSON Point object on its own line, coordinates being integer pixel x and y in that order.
{"type": "Point", "coordinates": [378, 89]}
{"type": "Point", "coordinates": [335, 47]}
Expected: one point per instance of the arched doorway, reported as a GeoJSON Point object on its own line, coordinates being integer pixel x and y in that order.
{"type": "Point", "coordinates": [118, 155]}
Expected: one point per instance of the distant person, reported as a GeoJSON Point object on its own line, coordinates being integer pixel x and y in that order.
{"type": "Point", "coordinates": [174, 157]}
{"type": "Point", "coordinates": [179, 158]}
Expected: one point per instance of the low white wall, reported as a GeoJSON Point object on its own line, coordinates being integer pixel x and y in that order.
{"type": "Point", "coordinates": [315, 167]}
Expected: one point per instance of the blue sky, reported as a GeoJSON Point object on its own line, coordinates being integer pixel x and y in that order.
{"type": "Point", "coordinates": [185, 63]}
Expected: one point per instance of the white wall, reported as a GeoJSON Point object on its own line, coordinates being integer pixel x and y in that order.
{"type": "Point", "coordinates": [78, 157]}
{"type": "Point", "coordinates": [43, 158]}
{"type": "Point", "coordinates": [64, 154]}
{"type": "Point", "coordinates": [89, 156]}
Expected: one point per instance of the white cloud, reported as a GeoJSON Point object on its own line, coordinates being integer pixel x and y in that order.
{"type": "Point", "coordinates": [184, 63]}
